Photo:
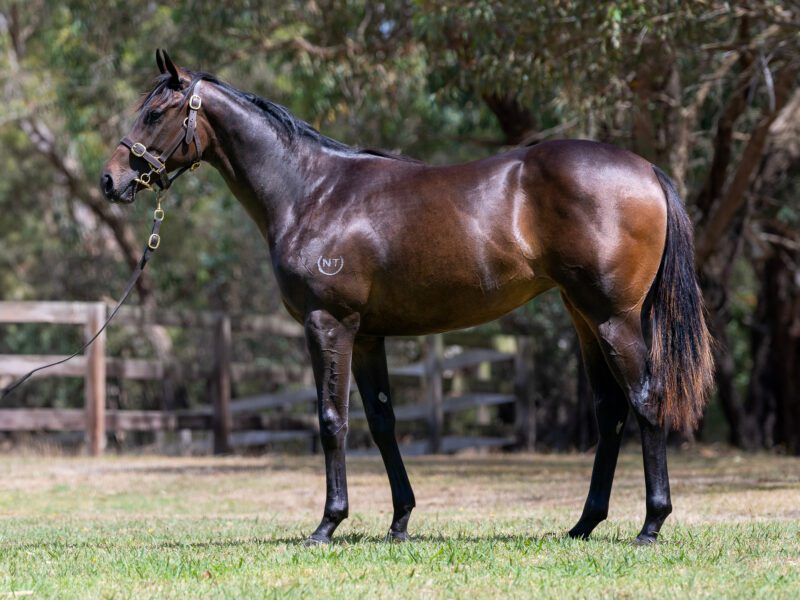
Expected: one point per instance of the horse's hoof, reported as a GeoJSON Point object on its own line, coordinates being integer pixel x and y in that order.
{"type": "Point", "coordinates": [644, 539]}
{"type": "Point", "coordinates": [579, 533]}
{"type": "Point", "coordinates": [398, 536]}
{"type": "Point", "coordinates": [316, 540]}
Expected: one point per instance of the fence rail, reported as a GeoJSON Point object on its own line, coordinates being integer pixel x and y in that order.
{"type": "Point", "coordinates": [232, 419]}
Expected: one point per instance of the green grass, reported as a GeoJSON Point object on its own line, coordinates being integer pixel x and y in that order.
{"type": "Point", "coordinates": [485, 526]}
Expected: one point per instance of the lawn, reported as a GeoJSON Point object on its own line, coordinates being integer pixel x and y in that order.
{"type": "Point", "coordinates": [485, 526]}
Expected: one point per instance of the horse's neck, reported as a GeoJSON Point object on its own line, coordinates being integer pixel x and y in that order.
{"type": "Point", "coordinates": [270, 178]}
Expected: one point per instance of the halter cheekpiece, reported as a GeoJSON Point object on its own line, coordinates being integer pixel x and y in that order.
{"type": "Point", "coordinates": [158, 164]}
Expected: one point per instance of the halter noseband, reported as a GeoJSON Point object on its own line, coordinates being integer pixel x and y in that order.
{"type": "Point", "coordinates": [158, 164]}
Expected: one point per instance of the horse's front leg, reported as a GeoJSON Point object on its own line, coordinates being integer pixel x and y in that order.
{"type": "Point", "coordinates": [330, 343]}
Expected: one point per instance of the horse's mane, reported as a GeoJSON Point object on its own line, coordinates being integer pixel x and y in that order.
{"type": "Point", "coordinates": [280, 116]}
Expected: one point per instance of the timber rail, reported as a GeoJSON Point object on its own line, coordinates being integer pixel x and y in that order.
{"type": "Point", "coordinates": [232, 419]}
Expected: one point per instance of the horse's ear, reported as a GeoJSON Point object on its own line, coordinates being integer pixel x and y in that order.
{"type": "Point", "coordinates": [171, 68]}
{"type": "Point", "coordinates": [160, 61]}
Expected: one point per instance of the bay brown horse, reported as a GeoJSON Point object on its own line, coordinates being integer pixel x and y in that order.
{"type": "Point", "coordinates": [365, 245]}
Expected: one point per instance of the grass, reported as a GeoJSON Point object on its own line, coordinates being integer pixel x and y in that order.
{"type": "Point", "coordinates": [485, 526]}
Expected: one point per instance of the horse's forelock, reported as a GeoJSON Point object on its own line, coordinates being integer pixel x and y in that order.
{"type": "Point", "coordinates": [162, 91]}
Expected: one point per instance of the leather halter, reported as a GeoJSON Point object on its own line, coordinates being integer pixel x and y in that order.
{"type": "Point", "coordinates": [158, 164]}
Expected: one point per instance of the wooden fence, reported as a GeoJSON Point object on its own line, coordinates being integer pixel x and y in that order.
{"type": "Point", "coordinates": [235, 422]}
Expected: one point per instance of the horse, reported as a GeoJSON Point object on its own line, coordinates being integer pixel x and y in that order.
{"type": "Point", "coordinates": [366, 244]}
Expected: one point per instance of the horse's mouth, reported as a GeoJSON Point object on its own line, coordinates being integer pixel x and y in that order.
{"type": "Point", "coordinates": [126, 196]}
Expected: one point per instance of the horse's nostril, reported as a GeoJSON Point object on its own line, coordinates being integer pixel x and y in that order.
{"type": "Point", "coordinates": [107, 184]}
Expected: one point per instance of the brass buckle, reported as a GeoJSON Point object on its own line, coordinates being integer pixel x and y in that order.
{"type": "Point", "coordinates": [154, 241]}
{"type": "Point", "coordinates": [195, 102]}
{"type": "Point", "coordinates": [138, 149]}
{"type": "Point", "coordinates": [195, 166]}
{"type": "Point", "coordinates": [158, 214]}
{"type": "Point", "coordinates": [144, 179]}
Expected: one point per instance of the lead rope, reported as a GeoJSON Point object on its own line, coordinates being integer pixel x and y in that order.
{"type": "Point", "coordinates": [153, 243]}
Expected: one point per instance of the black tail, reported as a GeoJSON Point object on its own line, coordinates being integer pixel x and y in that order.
{"type": "Point", "coordinates": [681, 362]}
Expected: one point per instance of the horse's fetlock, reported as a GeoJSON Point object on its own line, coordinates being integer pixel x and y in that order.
{"type": "Point", "coordinates": [659, 508]}
{"type": "Point", "coordinates": [337, 513]}
{"type": "Point", "coordinates": [594, 513]}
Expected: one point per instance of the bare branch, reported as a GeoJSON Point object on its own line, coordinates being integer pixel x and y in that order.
{"type": "Point", "coordinates": [689, 115]}
{"type": "Point", "coordinates": [734, 196]}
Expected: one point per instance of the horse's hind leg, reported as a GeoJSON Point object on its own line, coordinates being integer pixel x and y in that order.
{"type": "Point", "coordinates": [372, 377]}
{"type": "Point", "coordinates": [626, 352]}
{"type": "Point", "coordinates": [611, 409]}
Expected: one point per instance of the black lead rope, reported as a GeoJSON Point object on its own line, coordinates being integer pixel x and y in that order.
{"type": "Point", "coordinates": [152, 244]}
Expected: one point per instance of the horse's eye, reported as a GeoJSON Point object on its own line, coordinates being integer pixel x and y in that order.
{"type": "Point", "coordinates": [153, 116]}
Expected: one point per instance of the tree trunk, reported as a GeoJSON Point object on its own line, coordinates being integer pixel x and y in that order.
{"type": "Point", "coordinates": [773, 403]}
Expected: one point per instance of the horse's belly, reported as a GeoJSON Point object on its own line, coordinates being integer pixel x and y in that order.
{"type": "Point", "coordinates": [417, 309]}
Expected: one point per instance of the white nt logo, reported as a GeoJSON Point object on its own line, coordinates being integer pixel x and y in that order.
{"type": "Point", "coordinates": [330, 266]}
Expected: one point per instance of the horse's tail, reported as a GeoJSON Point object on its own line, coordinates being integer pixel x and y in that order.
{"type": "Point", "coordinates": [681, 362]}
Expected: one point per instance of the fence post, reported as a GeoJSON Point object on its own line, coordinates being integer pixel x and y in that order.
{"type": "Point", "coordinates": [525, 414]}
{"type": "Point", "coordinates": [222, 387]}
{"type": "Point", "coordinates": [432, 389]}
{"type": "Point", "coordinates": [95, 381]}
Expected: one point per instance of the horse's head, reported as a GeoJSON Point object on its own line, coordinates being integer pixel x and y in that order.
{"type": "Point", "coordinates": [166, 136]}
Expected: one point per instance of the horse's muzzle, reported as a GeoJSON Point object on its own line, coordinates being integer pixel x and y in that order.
{"type": "Point", "coordinates": [110, 191]}
{"type": "Point", "coordinates": [107, 185]}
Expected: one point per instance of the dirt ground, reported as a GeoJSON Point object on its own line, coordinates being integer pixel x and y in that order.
{"type": "Point", "coordinates": [707, 485]}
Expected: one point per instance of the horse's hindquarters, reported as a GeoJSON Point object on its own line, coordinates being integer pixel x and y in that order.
{"type": "Point", "coordinates": [600, 219]}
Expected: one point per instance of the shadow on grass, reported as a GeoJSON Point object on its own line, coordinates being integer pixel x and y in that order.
{"type": "Point", "coordinates": [343, 541]}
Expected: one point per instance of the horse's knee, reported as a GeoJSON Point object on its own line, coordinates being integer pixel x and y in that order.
{"type": "Point", "coordinates": [332, 428]}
